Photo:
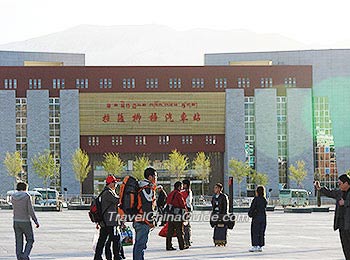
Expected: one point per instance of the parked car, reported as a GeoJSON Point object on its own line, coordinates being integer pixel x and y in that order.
{"type": "Point", "coordinates": [50, 197]}
{"type": "Point", "coordinates": [294, 197]}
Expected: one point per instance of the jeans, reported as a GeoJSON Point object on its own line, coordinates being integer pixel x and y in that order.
{"type": "Point", "coordinates": [141, 239]}
{"type": "Point", "coordinates": [23, 228]}
{"type": "Point", "coordinates": [187, 234]}
{"type": "Point", "coordinates": [108, 252]}
{"type": "Point", "coordinates": [106, 232]}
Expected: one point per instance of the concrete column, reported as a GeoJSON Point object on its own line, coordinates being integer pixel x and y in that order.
{"type": "Point", "coordinates": [37, 130]}
{"type": "Point", "coordinates": [266, 136]}
{"type": "Point", "coordinates": [7, 135]}
{"type": "Point", "coordinates": [69, 137]}
{"type": "Point", "coordinates": [234, 134]}
{"type": "Point", "coordinates": [300, 132]}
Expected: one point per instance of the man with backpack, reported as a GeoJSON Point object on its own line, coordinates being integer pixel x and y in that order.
{"type": "Point", "coordinates": [108, 201]}
{"type": "Point", "coordinates": [145, 217]}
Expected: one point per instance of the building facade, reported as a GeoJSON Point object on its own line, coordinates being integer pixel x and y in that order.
{"type": "Point", "coordinates": [331, 81]}
{"type": "Point", "coordinates": [23, 58]}
{"type": "Point", "coordinates": [249, 113]}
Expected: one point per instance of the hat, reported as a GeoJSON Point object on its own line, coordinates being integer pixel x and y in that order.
{"type": "Point", "coordinates": [159, 187]}
{"type": "Point", "coordinates": [110, 179]}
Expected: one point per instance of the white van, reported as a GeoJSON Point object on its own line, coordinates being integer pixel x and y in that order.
{"type": "Point", "coordinates": [294, 197]}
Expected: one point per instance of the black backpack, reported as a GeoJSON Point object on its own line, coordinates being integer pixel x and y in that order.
{"type": "Point", "coordinates": [128, 198]}
{"type": "Point", "coordinates": [95, 212]}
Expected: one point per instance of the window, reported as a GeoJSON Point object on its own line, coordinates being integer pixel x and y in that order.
{"type": "Point", "coordinates": [163, 139]}
{"type": "Point", "coordinates": [140, 140]}
{"type": "Point", "coordinates": [10, 83]}
{"type": "Point", "coordinates": [210, 139]}
{"type": "Point", "coordinates": [243, 82]}
{"type": "Point", "coordinates": [82, 83]}
{"type": "Point", "coordinates": [197, 83]}
{"type": "Point", "coordinates": [249, 129]}
{"type": "Point", "coordinates": [105, 83]}
{"type": "Point", "coordinates": [174, 83]}
{"type": "Point", "coordinates": [54, 127]}
{"type": "Point", "coordinates": [290, 82]}
{"type": "Point", "coordinates": [129, 83]}
{"type": "Point", "coordinates": [93, 141]}
{"type": "Point", "coordinates": [34, 83]}
{"type": "Point", "coordinates": [58, 83]}
{"type": "Point", "coordinates": [221, 83]}
{"type": "Point", "coordinates": [21, 130]}
{"type": "Point", "coordinates": [187, 139]}
{"type": "Point", "coordinates": [266, 82]}
{"type": "Point", "coordinates": [117, 140]}
{"type": "Point", "coordinates": [282, 138]}
{"type": "Point", "coordinates": [152, 83]}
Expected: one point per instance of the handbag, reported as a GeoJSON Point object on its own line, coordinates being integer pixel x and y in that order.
{"type": "Point", "coordinates": [126, 236]}
{"type": "Point", "coordinates": [163, 232]}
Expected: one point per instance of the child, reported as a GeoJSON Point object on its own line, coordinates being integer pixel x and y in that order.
{"type": "Point", "coordinates": [257, 212]}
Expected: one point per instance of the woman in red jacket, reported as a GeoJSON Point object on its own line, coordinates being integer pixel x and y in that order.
{"type": "Point", "coordinates": [176, 201]}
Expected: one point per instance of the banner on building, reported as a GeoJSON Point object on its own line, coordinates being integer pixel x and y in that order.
{"type": "Point", "coordinates": [152, 113]}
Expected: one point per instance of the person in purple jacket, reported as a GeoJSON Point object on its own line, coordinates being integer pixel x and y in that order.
{"type": "Point", "coordinates": [22, 213]}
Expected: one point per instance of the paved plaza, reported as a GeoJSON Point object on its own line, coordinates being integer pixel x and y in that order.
{"type": "Point", "coordinates": [68, 235]}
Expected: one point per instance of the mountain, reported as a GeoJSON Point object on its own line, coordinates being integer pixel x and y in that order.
{"type": "Point", "coordinates": [151, 44]}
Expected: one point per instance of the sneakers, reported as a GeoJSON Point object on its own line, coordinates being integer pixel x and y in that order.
{"type": "Point", "coordinates": [255, 249]}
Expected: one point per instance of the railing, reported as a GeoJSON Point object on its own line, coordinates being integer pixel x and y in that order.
{"type": "Point", "coordinates": [83, 200]}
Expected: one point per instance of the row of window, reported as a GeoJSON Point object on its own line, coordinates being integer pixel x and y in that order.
{"type": "Point", "coordinates": [141, 140]}
{"type": "Point", "coordinates": [151, 83]}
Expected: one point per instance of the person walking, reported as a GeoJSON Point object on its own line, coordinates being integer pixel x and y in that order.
{"type": "Point", "coordinates": [175, 222]}
{"type": "Point", "coordinates": [342, 210]}
{"type": "Point", "coordinates": [22, 213]}
{"type": "Point", "coordinates": [161, 201]}
{"type": "Point", "coordinates": [108, 226]}
{"type": "Point", "coordinates": [219, 204]}
{"type": "Point", "coordinates": [145, 218]}
{"type": "Point", "coordinates": [257, 212]}
{"type": "Point", "coordinates": [188, 197]}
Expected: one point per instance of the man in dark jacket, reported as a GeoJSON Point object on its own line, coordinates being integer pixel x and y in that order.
{"type": "Point", "coordinates": [220, 204]}
{"type": "Point", "coordinates": [161, 200]}
{"type": "Point", "coordinates": [176, 201]}
{"type": "Point", "coordinates": [22, 213]}
{"type": "Point", "coordinates": [108, 227]}
{"type": "Point", "coordinates": [342, 210]}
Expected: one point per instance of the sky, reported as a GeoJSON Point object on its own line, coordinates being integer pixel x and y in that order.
{"type": "Point", "coordinates": [321, 22]}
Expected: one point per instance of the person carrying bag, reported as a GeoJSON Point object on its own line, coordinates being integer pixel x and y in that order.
{"type": "Point", "coordinates": [175, 208]}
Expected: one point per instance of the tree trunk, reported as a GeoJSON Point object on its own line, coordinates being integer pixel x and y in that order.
{"type": "Point", "coordinates": [81, 193]}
